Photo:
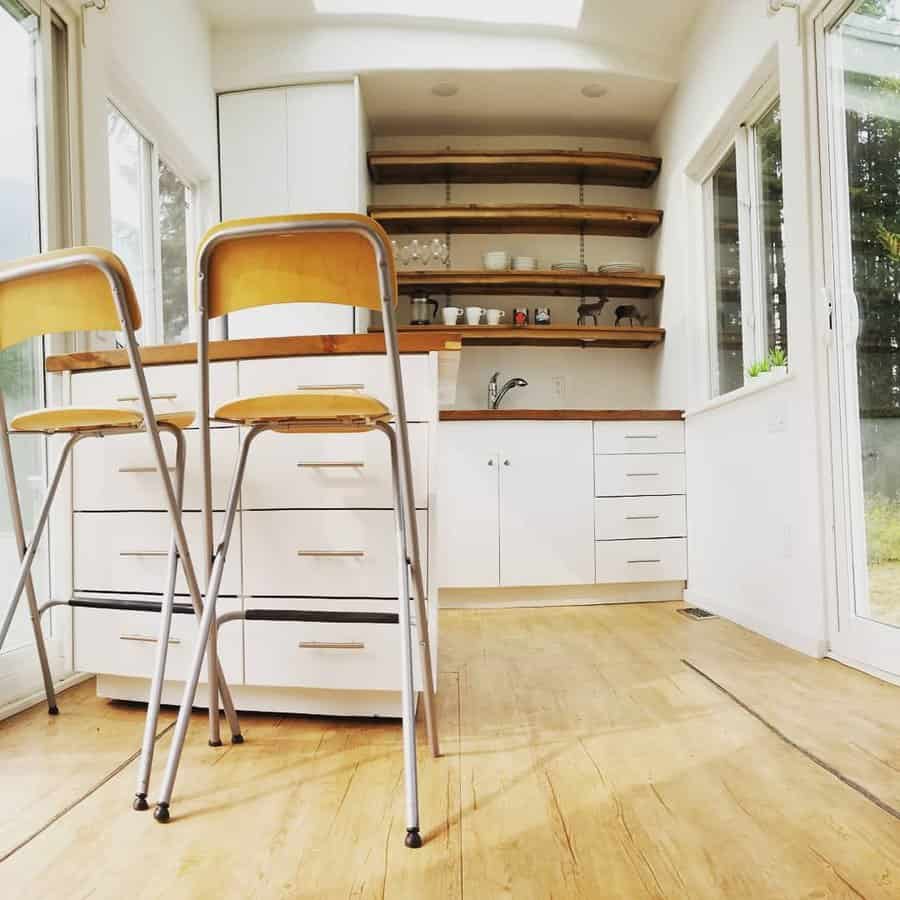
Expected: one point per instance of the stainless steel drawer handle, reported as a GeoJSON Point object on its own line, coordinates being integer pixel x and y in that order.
{"type": "Point", "coordinates": [639, 518]}
{"type": "Point", "coordinates": [641, 437]}
{"type": "Point", "coordinates": [152, 397]}
{"type": "Point", "coordinates": [331, 645]}
{"type": "Point", "coordinates": [331, 387]}
{"type": "Point", "coordinates": [356, 554]}
{"type": "Point", "coordinates": [331, 465]}
{"type": "Point", "coordinates": [149, 553]}
{"type": "Point", "coordinates": [642, 474]}
{"type": "Point", "coordinates": [134, 470]}
{"type": "Point", "coordinates": [144, 639]}
{"type": "Point", "coordinates": [636, 562]}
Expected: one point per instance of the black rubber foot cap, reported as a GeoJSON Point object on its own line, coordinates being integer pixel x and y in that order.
{"type": "Point", "coordinates": [237, 739]}
{"type": "Point", "coordinates": [413, 838]}
{"type": "Point", "coordinates": [140, 802]}
{"type": "Point", "coordinates": [53, 711]}
{"type": "Point", "coordinates": [161, 813]}
{"type": "Point", "coordinates": [215, 743]}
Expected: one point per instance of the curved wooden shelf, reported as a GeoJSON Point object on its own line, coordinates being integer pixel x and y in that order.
{"type": "Point", "coordinates": [518, 166]}
{"type": "Point", "coordinates": [537, 283]}
{"type": "Point", "coordinates": [617, 221]}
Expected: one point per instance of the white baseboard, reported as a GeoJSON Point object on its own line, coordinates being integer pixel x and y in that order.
{"type": "Point", "coordinates": [774, 631]}
{"type": "Point", "coordinates": [37, 697]}
{"type": "Point", "coordinates": [568, 595]}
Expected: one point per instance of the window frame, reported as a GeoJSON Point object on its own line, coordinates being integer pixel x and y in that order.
{"type": "Point", "coordinates": [742, 139]}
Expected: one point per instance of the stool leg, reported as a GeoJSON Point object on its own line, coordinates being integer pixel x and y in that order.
{"type": "Point", "coordinates": [162, 648]}
{"type": "Point", "coordinates": [161, 813]}
{"type": "Point", "coordinates": [27, 557]}
{"type": "Point", "coordinates": [407, 687]}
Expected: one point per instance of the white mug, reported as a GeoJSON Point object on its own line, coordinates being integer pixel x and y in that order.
{"type": "Point", "coordinates": [473, 315]}
{"type": "Point", "coordinates": [450, 315]}
{"type": "Point", "coordinates": [494, 316]}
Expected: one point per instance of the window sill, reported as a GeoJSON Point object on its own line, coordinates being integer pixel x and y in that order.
{"type": "Point", "coordinates": [748, 390]}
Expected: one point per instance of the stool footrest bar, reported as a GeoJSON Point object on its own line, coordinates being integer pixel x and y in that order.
{"type": "Point", "coordinates": [130, 605]}
{"type": "Point", "coordinates": [304, 615]}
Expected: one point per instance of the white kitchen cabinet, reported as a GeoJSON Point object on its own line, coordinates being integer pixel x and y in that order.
{"type": "Point", "coordinates": [291, 150]}
{"type": "Point", "coordinates": [516, 504]}
{"type": "Point", "coordinates": [469, 511]}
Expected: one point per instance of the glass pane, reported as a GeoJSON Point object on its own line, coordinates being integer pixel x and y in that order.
{"type": "Point", "coordinates": [21, 367]}
{"type": "Point", "coordinates": [771, 197]}
{"type": "Point", "coordinates": [130, 201]}
{"type": "Point", "coordinates": [868, 45]}
{"type": "Point", "coordinates": [174, 204]}
{"type": "Point", "coordinates": [728, 324]}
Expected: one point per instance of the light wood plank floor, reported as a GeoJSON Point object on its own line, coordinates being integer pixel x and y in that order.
{"type": "Point", "coordinates": [583, 760]}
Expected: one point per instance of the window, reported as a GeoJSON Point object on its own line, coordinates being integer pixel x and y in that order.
{"type": "Point", "coordinates": [151, 230]}
{"type": "Point", "coordinates": [744, 203]}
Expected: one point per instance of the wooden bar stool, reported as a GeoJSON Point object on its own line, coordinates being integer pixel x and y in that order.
{"type": "Point", "coordinates": [88, 289]}
{"type": "Point", "coordinates": [328, 258]}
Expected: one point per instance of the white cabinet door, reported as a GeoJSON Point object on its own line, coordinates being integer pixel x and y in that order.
{"type": "Point", "coordinates": [468, 511]}
{"type": "Point", "coordinates": [546, 504]}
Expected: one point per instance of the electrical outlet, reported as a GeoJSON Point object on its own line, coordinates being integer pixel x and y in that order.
{"type": "Point", "coordinates": [559, 383]}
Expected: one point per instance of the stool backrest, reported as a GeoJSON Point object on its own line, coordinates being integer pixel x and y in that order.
{"type": "Point", "coordinates": [78, 289]}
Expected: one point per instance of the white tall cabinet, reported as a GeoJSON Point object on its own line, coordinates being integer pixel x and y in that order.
{"type": "Point", "coordinates": [292, 149]}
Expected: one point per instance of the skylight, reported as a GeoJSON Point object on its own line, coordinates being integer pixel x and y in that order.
{"type": "Point", "coordinates": [556, 13]}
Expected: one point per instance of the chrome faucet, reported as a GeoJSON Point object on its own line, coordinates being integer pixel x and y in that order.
{"type": "Point", "coordinates": [497, 393]}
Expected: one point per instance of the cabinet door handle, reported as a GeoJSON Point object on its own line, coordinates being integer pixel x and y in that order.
{"type": "Point", "coordinates": [134, 470]}
{"type": "Point", "coordinates": [331, 465]}
{"type": "Point", "coordinates": [331, 387]}
{"type": "Point", "coordinates": [331, 645]}
{"type": "Point", "coordinates": [641, 437]}
{"type": "Point", "coordinates": [635, 518]}
{"type": "Point", "coordinates": [145, 639]}
{"type": "Point", "coordinates": [152, 397]}
{"type": "Point", "coordinates": [642, 474]}
{"type": "Point", "coordinates": [140, 553]}
{"type": "Point", "coordinates": [357, 554]}
{"type": "Point", "coordinates": [637, 562]}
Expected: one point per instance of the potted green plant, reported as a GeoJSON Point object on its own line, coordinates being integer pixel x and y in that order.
{"type": "Point", "coordinates": [760, 370]}
{"type": "Point", "coordinates": [778, 361]}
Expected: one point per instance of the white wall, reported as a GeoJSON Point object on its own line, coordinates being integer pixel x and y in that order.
{"type": "Point", "coordinates": [755, 493]}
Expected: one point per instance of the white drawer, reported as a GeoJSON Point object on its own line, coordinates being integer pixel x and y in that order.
{"type": "Point", "coordinates": [638, 437]}
{"type": "Point", "coordinates": [119, 473]}
{"type": "Point", "coordinates": [368, 374]}
{"type": "Point", "coordinates": [119, 642]}
{"type": "Point", "coordinates": [303, 654]}
{"type": "Point", "coordinates": [174, 388]}
{"type": "Point", "coordinates": [330, 471]}
{"type": "Point", "coordinates": [631, 561]}
{"type": "Point", "coordinates": [616, 518]}
{"type": "Point", "coordinates": [280, 548]}
{"type": "Point", "coordinates": [638, 474]}
{"type": "Point", "coordinates": [126, 552]}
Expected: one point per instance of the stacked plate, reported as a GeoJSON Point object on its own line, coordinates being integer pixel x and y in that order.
{"type": "Point", "coordinates": [621, 268]}
{"type": "Point", "coordinates": [569, 265]}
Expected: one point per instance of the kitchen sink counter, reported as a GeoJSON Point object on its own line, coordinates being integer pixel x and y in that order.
{"type": "Point", "coordinates": [565, 415]}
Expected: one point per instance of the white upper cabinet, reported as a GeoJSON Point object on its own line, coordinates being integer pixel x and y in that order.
{"type": "Point", "coordinates": [292, 150]}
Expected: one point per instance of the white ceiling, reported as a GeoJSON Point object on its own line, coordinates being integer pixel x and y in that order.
{"type": "Point", "coordinates": [636, 45]}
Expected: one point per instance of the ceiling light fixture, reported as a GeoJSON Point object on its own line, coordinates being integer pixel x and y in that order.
{"type": "Point", "coordinates": [594, 91]}
{"type": "Point", "coordinates": [445, 89]}
{"type": "Point", "coordinates": [553, 13]}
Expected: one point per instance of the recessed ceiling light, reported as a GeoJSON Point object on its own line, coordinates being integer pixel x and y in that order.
{"type": "Point", "coordinates": [445, 89]}
{"type": "Point", "coordinates": [594, 91]}
{"type": "Point", "coordinates": [555, 13]}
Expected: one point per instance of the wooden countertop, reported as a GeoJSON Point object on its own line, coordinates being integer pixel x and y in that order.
{"type": "Point", "coordinates": [258, 348]}
{"type": "Point", "coordinates": [565, 415]}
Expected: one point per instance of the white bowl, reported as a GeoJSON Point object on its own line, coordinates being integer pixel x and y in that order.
{"type": "Point", "coordinates": [496, 260]}
{"type": "Point", "coordinates": [524, 263]}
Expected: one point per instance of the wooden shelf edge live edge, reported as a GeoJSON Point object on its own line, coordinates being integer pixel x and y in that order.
{"type": "Point", "coordinates": [547, 335]}
{"type": "Point", "coordinates": [615, 221]}
{"type": "Point", "coordinates": [519, 166]}
{"type": "Point", "coordinates": [535, 283]}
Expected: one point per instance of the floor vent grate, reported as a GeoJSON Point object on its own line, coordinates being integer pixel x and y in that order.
{"type": "Point", "coordinates": [694, 612]}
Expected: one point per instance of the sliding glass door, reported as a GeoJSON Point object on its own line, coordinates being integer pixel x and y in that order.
{"type": "Point", "coordinates": [859, 56]}
{"type": "Point", "coordinates": [26, 184]}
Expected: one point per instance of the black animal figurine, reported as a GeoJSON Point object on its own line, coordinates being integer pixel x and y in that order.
{"type": "Point", "coordinates": [590, 311]}
{"type": "Point", "coordinates": [629, 313]}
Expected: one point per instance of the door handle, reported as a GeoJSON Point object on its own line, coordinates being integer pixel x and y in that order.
{"type": "Point", "coordinates": [135, 470]}
{"type": "Point", "coordinates": [145, 639]}
{"type": "Point", "coordinates": [148, 553]}
{"type": "Point", "coordinates": [636, 518]}
{"type": "Point", "coordinates": [331, 465]}
{"type": "Point", "coordinates": [331, 387]}
{"type": "Point", "coordinates": [331, 645]}
{"type": "Point", "coordinates": [357, 554]}
{"type": "Point", "coordinates": [152, 397]}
